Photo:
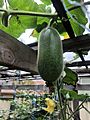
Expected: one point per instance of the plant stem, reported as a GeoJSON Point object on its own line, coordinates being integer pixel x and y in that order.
{"type": "Point", "coordinates": [78, 6]}
{"type": "Point", "coordinates": [23, 12]}
{"type": "Point", "coordinates": [60, 100]}
{"type": "Point", "coordinates": [50, 22]}
{"type": "Point", "coordinates": [77, 109]}
{"type": "Point", "coordinates": [85, 109]}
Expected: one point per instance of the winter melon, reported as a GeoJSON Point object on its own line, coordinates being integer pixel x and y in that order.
{"type": "Point", "coordinates": [50, 54]}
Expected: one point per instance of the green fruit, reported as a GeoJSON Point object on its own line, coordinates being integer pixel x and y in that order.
{"type": "Point", "coordinates": [50, 55]}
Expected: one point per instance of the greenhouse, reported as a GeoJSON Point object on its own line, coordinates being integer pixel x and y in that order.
{"type": "Point", "coordinates": [44, 60]}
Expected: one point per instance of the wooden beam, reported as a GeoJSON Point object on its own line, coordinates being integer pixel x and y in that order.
{"type": "Point", "coordinates": [73, 44]}
{"type": "Point", "coordinates": [78, 43]}
{"type": "Point", "coordinates": [78, 63]}
{"type": "Point", "coordinates": [83, 86]}
{"type": "Point", "coordinates": [17, 55]}
{"type": "Point", "coordinates": [82, 70]}
{"type": "Point", "coordinates": [78, 87]}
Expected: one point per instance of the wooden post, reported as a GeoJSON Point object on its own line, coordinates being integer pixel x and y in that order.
{"type": "Point", "coordinates": [75, 104]}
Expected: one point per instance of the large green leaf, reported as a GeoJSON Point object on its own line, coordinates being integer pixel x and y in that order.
{"type": "Point", "coordinates": [78, 18]}
{"type": "Point", "coordinates": [16, 27]}
{"type": "Point", "coordinates": [28, 5]}
{"type": "Point", "coordinates": [1, 3]}
{"type": "Point", "coordinates": [59, 26]}
{"type": "Point", "coordinates": [43, 9]}
{"type": "Point", "coordinates": [71, 77]}
{"type": "Point", "coordinates": [47, 2]}
{"type": "Point", "coordinates": [42, 22]}
{"type": "Point", "coordinates": [41, 26]}
{"type": "Point", "coordinates": [67, 3]}
{"type": "Point", "coordinates": [18, 24]}
{"type": "Point", "coordinates": [73, 95]}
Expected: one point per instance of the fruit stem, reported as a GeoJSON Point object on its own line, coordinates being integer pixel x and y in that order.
{"type": "Point", "coordinates": [50, 22]}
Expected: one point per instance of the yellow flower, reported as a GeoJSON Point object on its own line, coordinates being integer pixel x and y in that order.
{"type": "Point", "coordinates": [66, 36]}
{"type": "Point", "coordinates": [50, 105]}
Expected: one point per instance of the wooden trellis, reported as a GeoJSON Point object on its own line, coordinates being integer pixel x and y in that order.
{"type": "Point", "coordinates": [16, 55]}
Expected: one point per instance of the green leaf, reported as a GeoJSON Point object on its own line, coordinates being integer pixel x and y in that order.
{"type": "Point", "coordinates": [68, 5]}
{"type": "Point", "coordinates": [28, 5]}
{"type": "Point", "coordinates": [1, 3]}
{"type": "Point", "coordinates": [48, 10]}
{"type": "Point", "coordinates": [59, 26]}
{"type": "Point", "coordinates": [73, 95]}
{"type": "Point", "coordinates": [78, 16]}
{"type": "Point", "coordinates": [47, 2]}
{"type": "Point", "coordinates": [41, 26]}
{"type": "Point", "coordinates": [18, 24]}
{"type": "Point", "coordinates": [43, 9]}
{"type": "Point", "coordinates": [71, 77]}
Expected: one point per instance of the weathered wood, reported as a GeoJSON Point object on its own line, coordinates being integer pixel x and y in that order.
{"type": "Point", "coordinates": [75, 105]}
{"type": "Point", "coordinates": [73, 44]}
{"type": "Point", "coordinates": [78, 43]}
{"type": "Point", "coordinates": [16, 55]}
{"type": "Point", "coordinates": [78, 63]}
{"type": "Point", "coordinates": [78, 86]}
{"type": "Point", "coordinates": [83, 87]}
{"type": "Point", "coordinates": [82, 70]}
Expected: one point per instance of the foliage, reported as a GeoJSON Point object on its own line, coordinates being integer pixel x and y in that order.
{"type": "Point", "coordinates": [47, 2]}
{"type": "Point", "coordinates": [59, 26]}
{"type": "Point", "coordinates": [1, 3]}
{"type": "Point", "coordinates": [18, 23]}
{"type": "Point", "coordinates": [73, 95]}
{"type": "Point", "coordinates": [24, 108]}
{"type": "Point", "coordinates": [71, 77]}
{"type": "Point", "coordinates": [77, 17]}
{"type": "Point", "coordinates": [69, 93]}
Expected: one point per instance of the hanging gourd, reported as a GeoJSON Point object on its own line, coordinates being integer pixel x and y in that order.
{"type": "Point", "coordinates": [50, 54]}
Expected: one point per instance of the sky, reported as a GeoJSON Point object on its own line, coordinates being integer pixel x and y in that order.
{"type": "Point", "coordinates": [26, 37]}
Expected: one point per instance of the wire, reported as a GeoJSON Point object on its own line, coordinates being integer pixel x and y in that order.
{"type": "Point", "coordinates": [76, 4]}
